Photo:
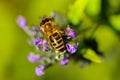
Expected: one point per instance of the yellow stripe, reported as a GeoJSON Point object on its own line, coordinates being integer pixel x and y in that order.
{"type": "Point", "coordinates": [59, 39]}
{"type": "Point", "coordinates": [60, 48]}
{"type": "Point", "coordinates": [59, 44]}
{"type": "Point", "coordinates": [56, 36]}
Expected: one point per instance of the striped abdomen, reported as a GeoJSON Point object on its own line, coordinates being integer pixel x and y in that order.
{"type": "Point", "coordinates": [57, 42]}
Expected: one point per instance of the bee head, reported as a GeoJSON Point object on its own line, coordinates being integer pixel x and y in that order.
{"type": "Point", "coordinates": [45, 20]}
{"type": "Point", "coordinates": [46, 24]}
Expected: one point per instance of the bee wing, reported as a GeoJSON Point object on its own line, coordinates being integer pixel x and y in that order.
{"type": "Point", "coordinates": [60, 20]}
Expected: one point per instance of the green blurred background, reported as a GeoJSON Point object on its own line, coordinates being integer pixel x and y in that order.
{"type": "Point", "coordinates": [14, 47]}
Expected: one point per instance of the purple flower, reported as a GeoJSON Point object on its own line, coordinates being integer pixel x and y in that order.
{"type": "Point", "coordinates": [41, 42]}
{"type": "Point", "coordinates": [64, 61]}
{"type": "Point", "coordinates": [70, 32]}
{"type": "Point", "coordinates": [38, 41]}
{"type": "Point", "coordinates": [21, 22]}
{"type": "Point", "coordinates": [40, 70]}
{"type": "Point", "coordinates": [44, 45]}
{"type": "Point", "coordinates": [71, 48]}
{"type": "Point", "coordinates": [33, 57]}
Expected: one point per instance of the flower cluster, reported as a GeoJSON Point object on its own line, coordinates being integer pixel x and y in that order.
{"type": "Point", "coordinates": [46, 55]}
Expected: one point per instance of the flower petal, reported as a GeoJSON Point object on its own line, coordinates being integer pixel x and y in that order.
{"type": "Point", "coordinates": [70, 32]}
{"type": "Point", "coordinates": [71, 48]}
{"type": "Point", "coordinates": [44, 45]}
{"type": "Point", "coordinates": [38, 41]}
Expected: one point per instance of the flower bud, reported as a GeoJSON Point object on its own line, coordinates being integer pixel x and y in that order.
{"type": "Point", "coordinates": [64, 61]}
{"type": "Point", "coordinates": [21, 22]}
{"type": "Point", "coordinates": [40, 70]}
{"type": "Point", "coordinates": [33, 57]}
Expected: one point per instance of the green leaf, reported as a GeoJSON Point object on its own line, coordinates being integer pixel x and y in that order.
{"type": "Point", "coordinates": [115, 21]}
{"type": "Point", "coordinates": [76, 11]}
{"type": "Point", "coordinates": [91, 55]}
{"type": "Point", "coordinates": [94, 7]}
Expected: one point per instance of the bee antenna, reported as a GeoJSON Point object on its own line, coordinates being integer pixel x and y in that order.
{"type": "Point", "coordinates": [44, 17]}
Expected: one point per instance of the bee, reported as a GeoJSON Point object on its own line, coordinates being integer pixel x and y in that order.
{"type": "Point", "coordinates": [53, 35]}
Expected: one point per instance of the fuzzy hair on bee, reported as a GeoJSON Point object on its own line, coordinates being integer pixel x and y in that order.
{"type": "Point", "coordinates": [53, 35]}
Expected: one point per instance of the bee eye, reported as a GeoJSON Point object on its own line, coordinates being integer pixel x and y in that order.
{"type": "Point", "coordinates": [47, 26]}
